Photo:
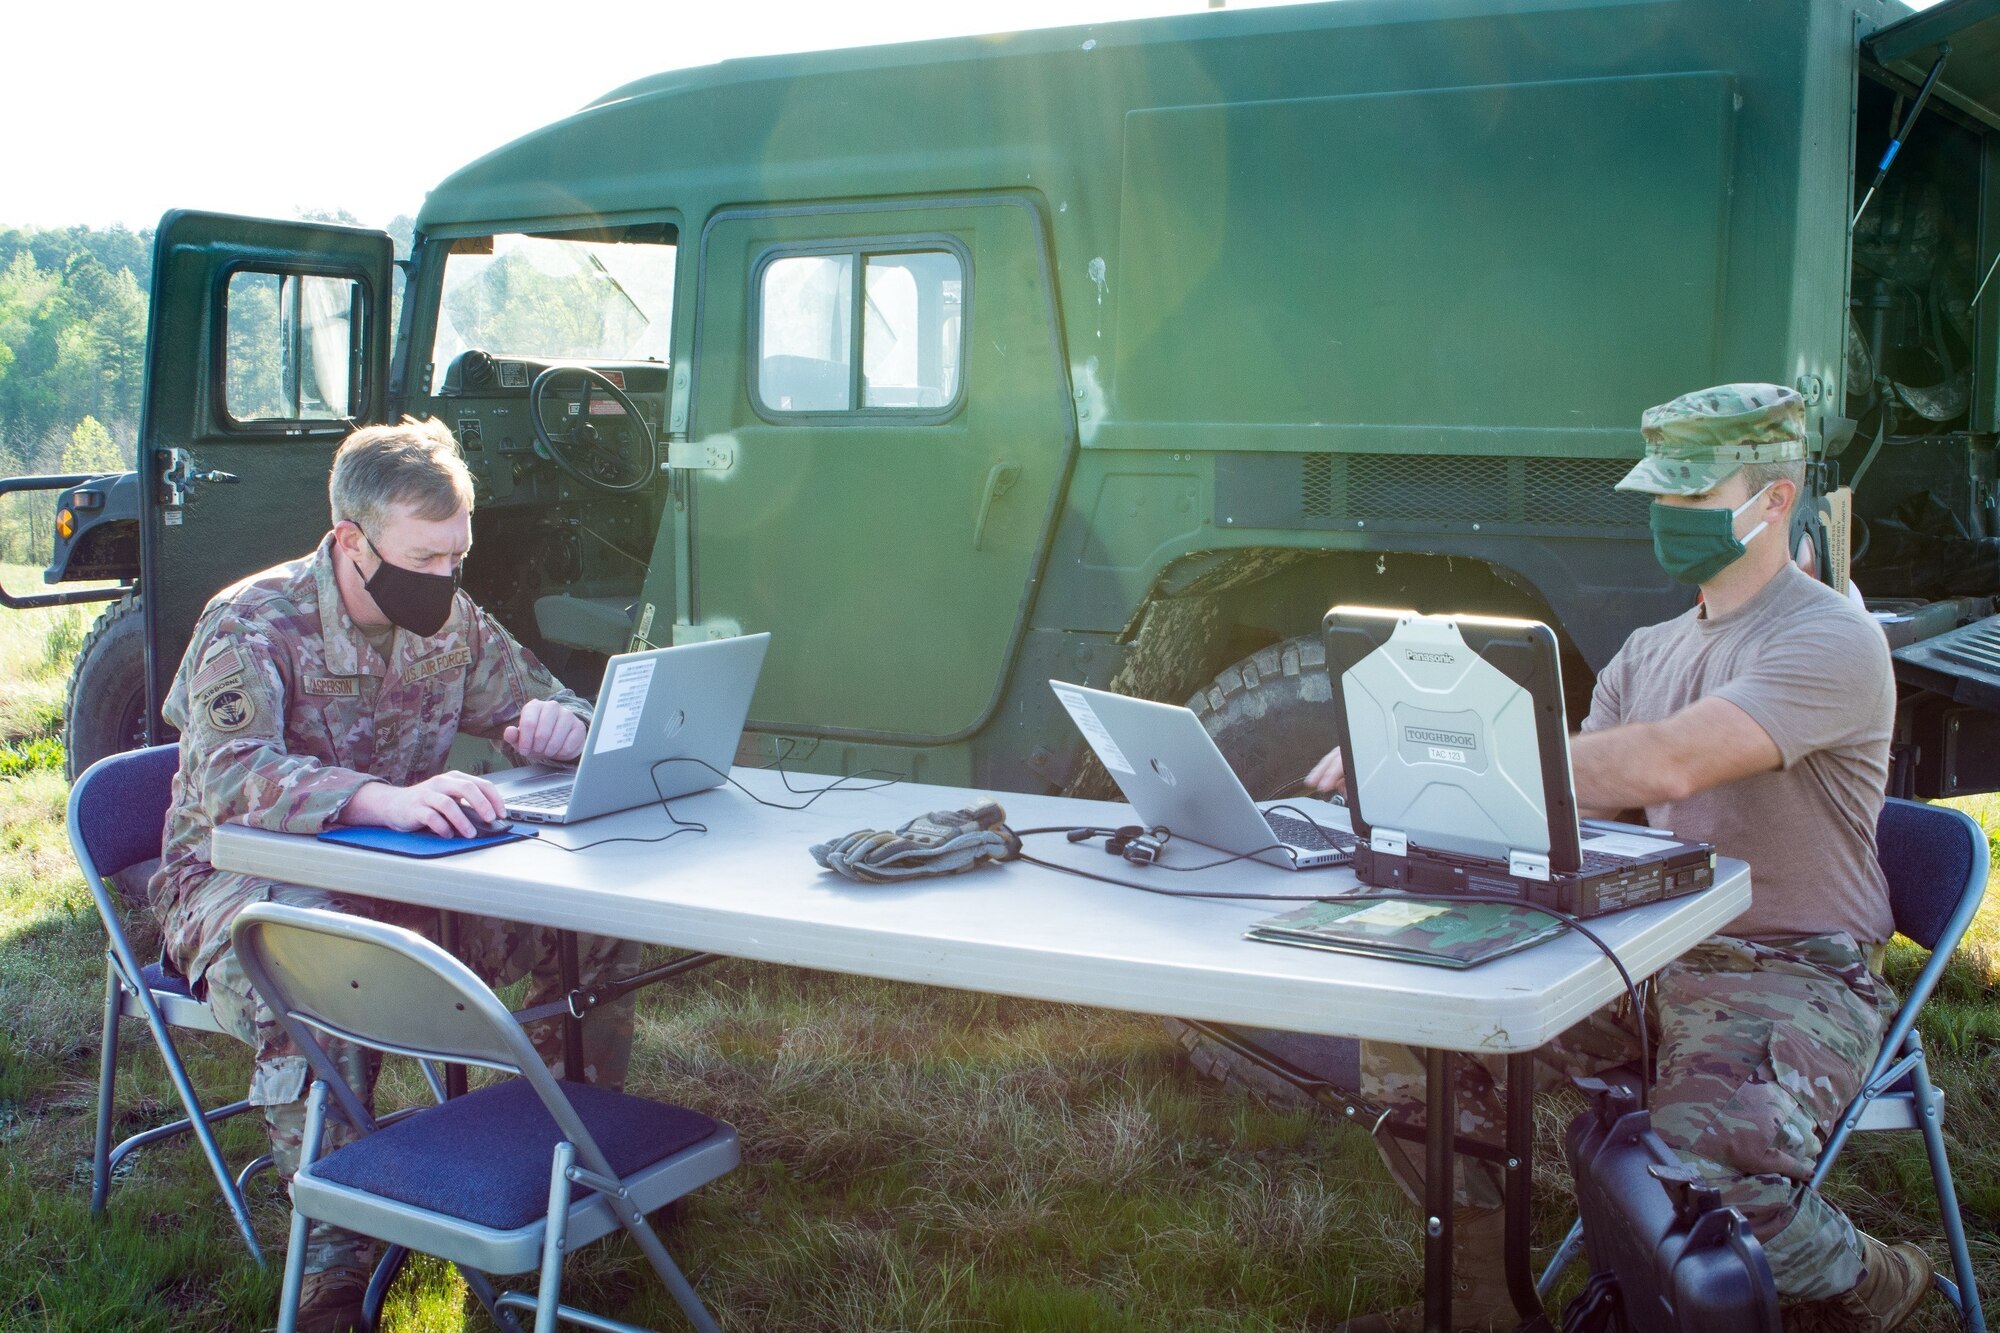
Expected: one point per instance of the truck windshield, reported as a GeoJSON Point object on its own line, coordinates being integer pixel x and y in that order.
{"type": "Point", "coordinates": [550, 297]}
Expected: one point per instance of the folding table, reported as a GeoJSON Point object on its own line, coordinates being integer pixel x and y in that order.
{"type": "Point", "coordinates": [747, 888]}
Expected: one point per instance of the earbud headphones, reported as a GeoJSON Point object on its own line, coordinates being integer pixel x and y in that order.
{"type": "Point", "coordinates": [1137, 844]}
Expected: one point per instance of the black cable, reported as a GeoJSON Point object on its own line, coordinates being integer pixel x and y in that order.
{"type": "Point", "coordinates": [1334, 837]}
{"type": "Point", "coordinates": [680, 825]}
{"type": "Point", "coordinates": [1564, 918]}
{"type": "Point", "coordinates": [613, 546]}
{"type": "Point", "coordinates": [695, 826]}
{"type": "Point", "coordinates": [888, 778]}
{"type": "Point", "coordinates": [1171, 893]}
{"type": "Point", "coordinates": [1165, 835]}
{"type": "Point", "coordinates": [888, 775]}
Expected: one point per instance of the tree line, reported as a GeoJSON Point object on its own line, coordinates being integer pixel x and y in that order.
{"type": "Point", "coordinates": [72, 362]}
{"type": "Point", "coordinates": [73, 308]}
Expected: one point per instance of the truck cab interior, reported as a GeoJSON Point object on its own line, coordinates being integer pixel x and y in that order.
{"type": "Point", "coordinates": [1921, 465]}
{"type": "Point", "coordinates": [549, 356]}
{"type": "Point", "coordinates": [1922, 382]}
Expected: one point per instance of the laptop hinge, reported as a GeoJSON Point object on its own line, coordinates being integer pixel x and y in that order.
{"type": "Point", "coordinates": [1528, 865]}
{"type": "Point", "coordinates": [1388, 842]}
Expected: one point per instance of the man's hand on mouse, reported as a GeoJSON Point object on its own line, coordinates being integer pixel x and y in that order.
{"type": "Point", "coordinates": [450, 805]}
{"type": "Point", "coordinates": [546, 732]}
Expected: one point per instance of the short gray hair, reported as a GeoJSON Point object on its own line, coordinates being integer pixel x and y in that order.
{"type": "Point", "coordinates": [416, 464]}
{"type": "Point", "coordinates": [1760, 475]}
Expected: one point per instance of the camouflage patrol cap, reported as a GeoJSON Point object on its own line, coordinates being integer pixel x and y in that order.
{"type": "Point", "coordinates": [1695, 443]}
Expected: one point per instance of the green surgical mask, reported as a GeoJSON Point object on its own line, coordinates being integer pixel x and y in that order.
{"type": "Point", "coordinates": [1694, 545]}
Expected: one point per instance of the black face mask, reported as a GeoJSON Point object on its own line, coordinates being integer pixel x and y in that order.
{"type": "Point", "coordinates": [419, 603]}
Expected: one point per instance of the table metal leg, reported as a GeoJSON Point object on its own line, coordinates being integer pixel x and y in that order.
{"type": "Point", "coordinates": [572, 980]}
{"type": "Point", "coordinates": [1520, 1181]}
{"type": "Point", "coordinates": [1440, 1123]}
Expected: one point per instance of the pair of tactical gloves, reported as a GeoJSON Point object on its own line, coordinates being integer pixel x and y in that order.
{"type": "Point", "coordinates": [943, 842]}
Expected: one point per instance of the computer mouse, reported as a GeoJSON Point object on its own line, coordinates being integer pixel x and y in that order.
{"type": "Point", "coordinates": [482, 828]}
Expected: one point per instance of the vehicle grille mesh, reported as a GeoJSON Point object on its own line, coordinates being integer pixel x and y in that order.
{"type": "Point", "coordinates": [1455, 488]}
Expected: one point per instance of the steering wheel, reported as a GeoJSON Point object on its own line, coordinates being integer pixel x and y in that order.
{"type": "Point", "coordinates": [579, 450]}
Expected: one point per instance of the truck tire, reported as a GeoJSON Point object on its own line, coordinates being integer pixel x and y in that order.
{"type": "Point", "coordinates": [105, 709]}
{"type": "Point", "coordinates": [1271, 715]}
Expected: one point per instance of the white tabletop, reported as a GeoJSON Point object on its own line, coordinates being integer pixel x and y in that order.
{"type": "Point", "coordinates": [748, 888]}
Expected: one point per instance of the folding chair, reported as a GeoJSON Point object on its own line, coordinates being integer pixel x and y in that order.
{"type": "Point", "coordinates": [502, 1180]}
{"type": "Point", "coordinates": [117, 816]}
{"type": "Point", "coordinates": [1935, 859]}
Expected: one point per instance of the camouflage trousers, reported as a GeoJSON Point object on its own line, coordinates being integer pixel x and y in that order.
{"type": "Point", "coordinates": [1758, 1047]}
{"type": "Point", "coordinates": [501, 952]}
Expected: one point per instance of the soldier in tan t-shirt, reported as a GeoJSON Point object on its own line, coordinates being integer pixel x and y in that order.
{"type": "Point", "coordinates": [1758, 721]}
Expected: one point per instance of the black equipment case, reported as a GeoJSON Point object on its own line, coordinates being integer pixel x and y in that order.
{"type": "Point", "coordinates": [1665, 1255]}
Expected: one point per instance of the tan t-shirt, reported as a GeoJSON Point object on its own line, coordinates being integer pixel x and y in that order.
{"type": "Point", "coordinates": [1812, 669]}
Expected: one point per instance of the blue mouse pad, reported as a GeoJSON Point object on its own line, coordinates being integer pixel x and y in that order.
{"type": "Point", "coordinates": [426, 845]}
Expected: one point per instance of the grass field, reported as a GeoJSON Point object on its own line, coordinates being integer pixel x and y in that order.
{"type": "Point", "coordinates": [914, 1158]}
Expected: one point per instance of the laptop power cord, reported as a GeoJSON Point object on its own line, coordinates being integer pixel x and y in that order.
{"type": "Point", "coordinates": [1130, 833]}
{"type": "Point", "coordinates": [883, 778]}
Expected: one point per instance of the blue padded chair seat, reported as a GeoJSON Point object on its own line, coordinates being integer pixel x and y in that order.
{"type": "Point", "coordinates": [157, 978]}
{"type": "Point", "coordinates": [485, 1157]}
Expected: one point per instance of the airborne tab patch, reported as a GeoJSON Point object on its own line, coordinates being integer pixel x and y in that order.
{"type": "Point", "coordinates": [330, 687]}
{"type": "Point", "coordinates": [436, 662]}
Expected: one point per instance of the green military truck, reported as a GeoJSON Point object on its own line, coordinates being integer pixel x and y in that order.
{"type": "Point", "coordinates": [1116, 354]}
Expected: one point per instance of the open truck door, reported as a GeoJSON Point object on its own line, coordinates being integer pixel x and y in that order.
{"type": "Point", "coordinates": [267, 344]}
{"type": "Point", "coordinates": [1948, 716]}
{"type": "Point", "coordinates": [1969, 78]}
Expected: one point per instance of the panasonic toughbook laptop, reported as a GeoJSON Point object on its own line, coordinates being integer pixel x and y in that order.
{"type": "Point", "coordinates": [1167, 765]}
{"type": "Point", "coordinates": [686, 703]}
{"type": "Point", "coordinates": [1458, 774]}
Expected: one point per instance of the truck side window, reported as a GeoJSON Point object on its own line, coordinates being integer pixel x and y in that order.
{"type": "Point", "coordinates": [909, 336]}
{"type": "Point", "coordinates": [903, 307]}
{"type": "Point", "coordinates": [805, 322]}
{"type": "Point", "coordinates": [291, 347]}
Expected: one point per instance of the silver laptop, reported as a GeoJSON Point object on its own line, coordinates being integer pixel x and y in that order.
{"type": "Point", "coordinates": [686, 703]}
{"type": "Point", "coordinates": [1166, 764]}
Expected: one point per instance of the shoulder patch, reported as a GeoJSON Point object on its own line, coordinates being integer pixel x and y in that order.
{"type": "Point", "coordinates": [228, 682]}
{"type": "Point", "coordinates": [437, 662]}
{"type": "Point", "coordinates": [230, 710]}
{"type": "Point", "coordinates": [222, 661]}
{"type": "Point", "coordinates": [330, 687]}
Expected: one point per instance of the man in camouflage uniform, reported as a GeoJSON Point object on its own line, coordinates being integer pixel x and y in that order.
{"type": "Point", "coordinates": [328, 691]}
{"type": "Point", "coordinates": [1759, 721]}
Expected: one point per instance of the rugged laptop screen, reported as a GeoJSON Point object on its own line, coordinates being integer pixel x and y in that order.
{"type": "Point", "coordinates": [1454, 732]}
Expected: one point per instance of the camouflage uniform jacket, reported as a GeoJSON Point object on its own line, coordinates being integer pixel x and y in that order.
{"type": "Point", "coordinates": [285, 711]}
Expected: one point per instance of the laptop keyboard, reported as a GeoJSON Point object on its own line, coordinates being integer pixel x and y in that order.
{"type": "Point", "coordinates": [1307, 836]}
{"type": "Point", "coordinates": [555, 798]}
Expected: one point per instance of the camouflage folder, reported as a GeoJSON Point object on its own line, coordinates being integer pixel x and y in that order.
{"type": "Point", "coordinates": [1439, 932]}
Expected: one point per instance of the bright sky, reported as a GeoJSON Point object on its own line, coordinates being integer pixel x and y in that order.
{"type": "Point", "coordinates": [244, 106]}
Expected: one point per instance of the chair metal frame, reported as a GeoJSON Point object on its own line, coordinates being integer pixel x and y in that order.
{"type": "Point", "coordinates": [127, 994]}
{"type": "Point", "coordinates": [1898, 1093]}
{"type": "Point", "coordinates": [390, 989]}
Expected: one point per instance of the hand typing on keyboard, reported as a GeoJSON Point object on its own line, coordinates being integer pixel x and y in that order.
{"type": "Point", "coordinates": [546, 732]}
